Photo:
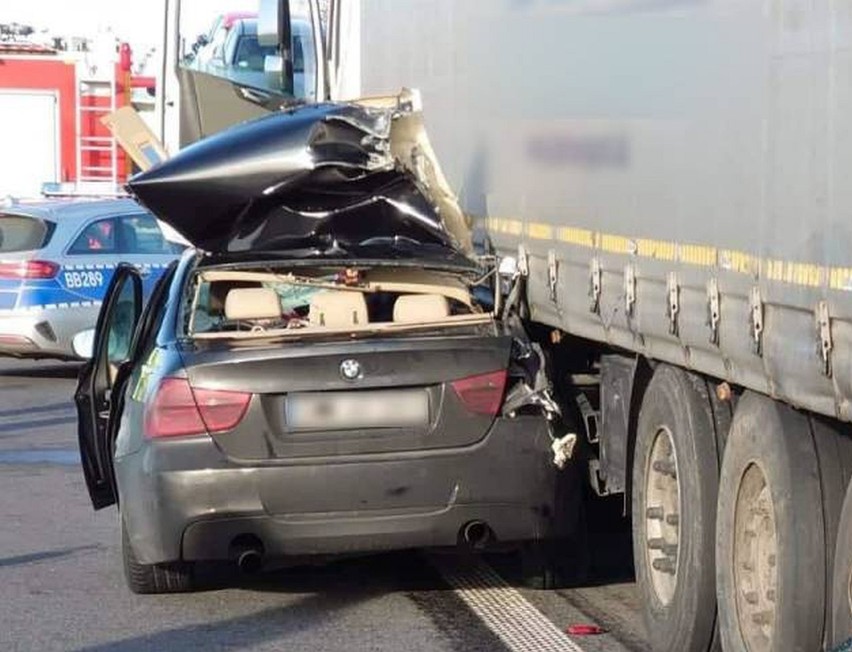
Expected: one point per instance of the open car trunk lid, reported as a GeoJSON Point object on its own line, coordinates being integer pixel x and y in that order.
{"type": "Point", "coordinates": [344, 173]}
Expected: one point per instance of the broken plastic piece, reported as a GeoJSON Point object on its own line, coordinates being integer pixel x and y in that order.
{"type": "Point", "coordinates": [563, 449]}
{"type": "Point", "coordinates": [584, 630]}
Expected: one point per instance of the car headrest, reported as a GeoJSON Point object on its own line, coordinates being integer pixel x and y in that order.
{"type": "Point", "coordinates": [252, 303]}
{"type": "Point", "coordinates": [412, 308]}
{"type": "Point", "coordinates": [338, 309]}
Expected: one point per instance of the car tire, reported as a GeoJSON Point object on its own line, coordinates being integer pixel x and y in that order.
{"type": "Point", "coordinates": [674, 489]}
{"type": "Point", "coordinates": [172, 577]}
{"type": "Point", "coordinates": [770, 548]}
{"type": "Point", "coordinates": [842, 591]}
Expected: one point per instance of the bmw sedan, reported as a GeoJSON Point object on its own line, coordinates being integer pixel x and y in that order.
{"type": "Point", "coordinates": [325, 372]}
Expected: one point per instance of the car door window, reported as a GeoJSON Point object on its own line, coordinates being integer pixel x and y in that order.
{"type": "Point", "coordinates": [140, 234]}
{"type": "Point", "coordinates": [122, 325]}
{"type": "Point", "coordinates": [97, 238]}
{"type": "Point", "coordinates": [152, 316]}
{"type": "Point", "coordinates": [251, 55]}
{"type": "Point", "coordinates": [217, 47]}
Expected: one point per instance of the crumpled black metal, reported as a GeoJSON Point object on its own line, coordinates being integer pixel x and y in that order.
{"type": "Point", "coordinates": [321, 172]}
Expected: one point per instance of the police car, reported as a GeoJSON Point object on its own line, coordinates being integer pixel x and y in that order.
{"type": "Point", "coordinates": [56, 262]}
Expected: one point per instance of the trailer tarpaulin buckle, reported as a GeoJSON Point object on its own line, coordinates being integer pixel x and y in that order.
{"type": "Point", "coordinates": [673, 303]}
{"type": "Point", "coordinates": [552, 274]}
{"type": "Point", "coordinates": [595, 286]}
{"type": "Point", "coordinates": [523, 261]}
{"type": "Point", "coordinates": [629, 289]}
{"type": "Point", "coordinates": [713, 313]}
{"type": "Point", "coordinates": [825, 344]}
{"type": "Point", "coordinates": [756, 321]}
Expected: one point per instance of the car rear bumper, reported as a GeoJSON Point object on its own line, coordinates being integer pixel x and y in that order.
{"type": "Point", "coordinates": [43, 333]}
{"type": "Point", "coordinates": [181, 499]}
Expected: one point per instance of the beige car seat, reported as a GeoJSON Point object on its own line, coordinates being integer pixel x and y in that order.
{"type": "Point", "coordinates": [252, 303]}
{"type": "Point", "coordinates": [338, 309]}
{"type": "Point", "coordinates": [414, 308]}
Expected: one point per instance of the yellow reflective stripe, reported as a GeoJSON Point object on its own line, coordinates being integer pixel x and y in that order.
{"type": "Point", "coordinates": [581, 237]}
{"type": "Point", "coordinates": [794, 273]}
{"type": "Point", "coordinates": [540, 231]}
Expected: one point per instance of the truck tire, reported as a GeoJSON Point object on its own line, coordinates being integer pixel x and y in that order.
{"type": "Point", "coordinates": [770, 549]}
{"type": "Point", "coordinates": [842, 593]}
{"type": "Point", "coordinates": [675, 483]}
{"type": "Point", "coordinates": [834, 453]}
{"type": "Point", "coordinates": [173, 577]}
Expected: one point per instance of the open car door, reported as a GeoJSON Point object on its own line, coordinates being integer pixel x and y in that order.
{"type": "Point", "coordinates": [94, 397]}
{"type": "Point", "coordinates": [248, 64]}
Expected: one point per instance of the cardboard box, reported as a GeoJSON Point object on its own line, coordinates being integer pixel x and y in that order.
{"type": "Point", "coordinates": [135, 137]}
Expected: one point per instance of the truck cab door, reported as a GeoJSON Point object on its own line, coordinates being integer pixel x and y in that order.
{"type": "Point", "coordinates": [96, 387]}
{"type": "Point", "coordinates": [218, 89]}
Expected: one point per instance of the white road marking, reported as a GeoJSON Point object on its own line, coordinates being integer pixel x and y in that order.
{"type": "Point", "coordinates": [518, 624]}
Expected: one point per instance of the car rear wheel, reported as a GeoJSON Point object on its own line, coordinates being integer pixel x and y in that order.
{"type": "Point", "coordinates": [675, 480]}
{"type": "Point", "coordinates": [173, 577]}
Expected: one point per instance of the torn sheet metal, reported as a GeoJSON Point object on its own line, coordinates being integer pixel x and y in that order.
{"type": "Point", "coordinates": [341, 173]}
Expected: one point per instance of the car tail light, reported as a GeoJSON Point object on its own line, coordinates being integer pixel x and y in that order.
{"type": "Point", "coordinates": [28, 269]}
{"type": "Point", "coordinates": [482, 394]}
{"type": "Point", "coordinates": [221, 410]}
{"type": "Point", "coordinates": [181, 410]}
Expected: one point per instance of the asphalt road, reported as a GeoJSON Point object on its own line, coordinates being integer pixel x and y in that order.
{"type": "Point", "coordinates": [61, 586]}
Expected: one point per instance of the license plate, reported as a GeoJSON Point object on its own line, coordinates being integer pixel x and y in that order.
{"type": "Point", "coordinates": [353, 410]}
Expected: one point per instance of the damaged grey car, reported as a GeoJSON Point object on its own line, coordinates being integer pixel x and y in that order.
{"type": "Point", "coordinates": [328, 370]}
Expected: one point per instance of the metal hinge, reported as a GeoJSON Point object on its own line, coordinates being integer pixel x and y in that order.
{"type": "Point", "coordinates": [823, 322]}
{"type": "Point", "coordinates": [713, 309]}
{"type": "Point", "coordinates": [552, 274]}
{"type": "Point", "coordinates": [595, 480]}
{"type": "Point", "coordinates": [523, 261]}
{"type": "Point", "coordinates": [595, 286]}
{"type": "Point", "coordinates": [756, 321]}
{"type": "Point", "coordinates": [629, 289]}
{"type": "Point", "coordinates": [673, 303]}
{"type": "Point", "coordinates": [591, 418]}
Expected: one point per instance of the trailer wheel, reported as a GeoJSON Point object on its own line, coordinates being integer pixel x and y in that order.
{"type": "Point", "coordinates": [843, 575]}
{"type": "Point", "coordinates": [675, 481]}
{"type": "Point", "coordinates": [770, 551]}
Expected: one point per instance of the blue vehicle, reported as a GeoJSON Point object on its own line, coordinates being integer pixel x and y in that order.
{"type": "Point", "coordinates": [57, 260]}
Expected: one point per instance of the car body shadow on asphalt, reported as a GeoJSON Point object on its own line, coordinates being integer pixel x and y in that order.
{"type": "Point", "coordinates": [51, 370]}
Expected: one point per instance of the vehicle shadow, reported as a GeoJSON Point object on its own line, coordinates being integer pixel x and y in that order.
{"type": "Point", "coordinates": [383, 573]}
{"type": "Point", "coordinates": [315, 597]}
{"type": "Point", "coordinates": [34, 370]}
{"type": "Point", "coordinates": [274, 624]}
{"type": "Point", "coordinates": [34, 557]}
{"type": "Point", "coordinates": [319, 595]}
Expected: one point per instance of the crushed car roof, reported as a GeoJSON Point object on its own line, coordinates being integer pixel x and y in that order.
{"type": "Point", "coordinates": [331, 175]}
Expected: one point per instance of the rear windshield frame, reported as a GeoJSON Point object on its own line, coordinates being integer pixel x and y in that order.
{"type": "Point", "coordinates": [47, 233]}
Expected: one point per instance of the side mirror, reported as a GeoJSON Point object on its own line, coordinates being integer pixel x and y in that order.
{"type": "Point", "coordinates": [200, 42]}
{"type": "Point", "coordinates": [83, 344]}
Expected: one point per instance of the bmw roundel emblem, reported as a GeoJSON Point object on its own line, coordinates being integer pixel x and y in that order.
{"type": "Point", "coordinates": [351, 369]}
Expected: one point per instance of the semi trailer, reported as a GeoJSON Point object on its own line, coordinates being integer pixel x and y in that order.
{"type": "Point", "coordinates": [663, 183]}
